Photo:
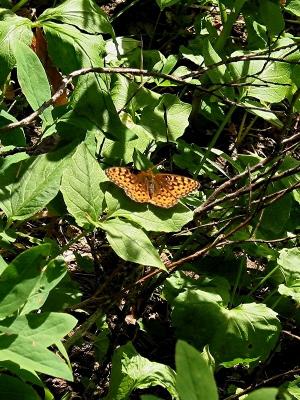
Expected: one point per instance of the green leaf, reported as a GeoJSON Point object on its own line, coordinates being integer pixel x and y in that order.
{"type": "Point", "coordinates": [91, 98]}
{"type": "Point", "coordinates": [28, 186]}
{"type": "Point", "coordinates": [289, 261]}
{"type": "Point", "coordinates": [20, 277]}
{"type": "Point", "coordinates": [271, 15]}
{"type": "Point", "coordinates": [256, 108]}
{"type": "Point", "coordinates": [25, 340]}
{"type": "Point", "coordinates": [119, 47]}
{"type": "Point", "coordinates": [14, 136]}
{"type": "Point", "coordinates": [71, 49]}
{"type": "Point", "coordinates": [149, 217]}
{"type": "Point", "coordinates": [281, 208]}
{"type": "Point", "coordinates": [293, 6]}
{"type": "Point", "coordinates": [80, 186]}
{"type": "Point", "coordinates": [14, 389]}
{"type": "Point", "coordinates": [177, 118]}
{"type": "Point", "coordinates": [179, 281]}
{"type": "Point", "coordinates": [131, 371]}
{"type": "Point", "coordinates": [32, 79]}
{"type": "Point", "coordinates": [117, 150]}
{"type": "Point", "coordinates": [217, 74]}
{"type": "Point", "coordinates": [225, 330]}
{"type": "Point", "coordinates": [292, 389]}
{"type": "Point", "coordinates": [268, 81]}
{"type": "Point", "coordinates": [131, 243]}
{"type": "Point", "coordinates": [263, 394]}
{"type": "Point", "coordinates": [12, 29]}
{"type": "Point", "coordinates": [194, 379]}
{"type": "Point", "coordinates": [50, 276]}
{"type": "Point", "coordinates": [131, 96]}
{"type": "Point", "coordinates": [86, 15]}
{"type": "Point", "coordinates": [292, 289]}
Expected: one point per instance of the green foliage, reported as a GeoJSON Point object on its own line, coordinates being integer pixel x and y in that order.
{"type": "Point", "coordinates": [211, 90]}
{"type": "Point", "coordinates": [131, 371]}
{"type": "Point", "coordinates": [194, 379]}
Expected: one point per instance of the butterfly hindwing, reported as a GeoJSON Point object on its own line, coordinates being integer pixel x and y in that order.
{"type": "Point", "coordinates": [170, 188]}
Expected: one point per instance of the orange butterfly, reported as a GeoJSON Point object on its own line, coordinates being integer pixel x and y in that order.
{"type": "Point", "coordinates": [162, 190]}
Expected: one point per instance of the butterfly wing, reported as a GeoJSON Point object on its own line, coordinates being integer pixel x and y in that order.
{"type": "Point", "coordinates": [135, 186]}
{"type": "Point", "coordinates": [170, 188]}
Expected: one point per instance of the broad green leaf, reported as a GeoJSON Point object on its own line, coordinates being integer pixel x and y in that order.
{"type": "Point", "coordinates": [15, 389]}
{"type": "Point", "coordinates": [80, 186]}
{"type": "Point", "coordinates": [131, 243]}
{"type": "Point", "coordinates": [71, 49]}
{"type": "Point", "coordinates": [292, 289]}
{"type": "Point", "coordinates": [25, 340]}
{"type": "Point", "coordinates": [281, 208]}
{"type": "Point", "coordinates": [28, 186]}
{"type": "Point", "coordinates": [193, 51]}
{"type": "Point", "coordinates": [225, 330]}
{"type": "Point", "coordinates": [131, 96]}
{"type": "Point", "coordinates": [191, 307]}
{"type": "Point", "coordinates": [171, 111]}
{"type": "Point", "coordinates": [14, 136]}
{"type": "Point", "coordinates": [268, 81]}
{"type": "Point", "coordinates": [256, 322]}
{"type": "Point", "coordinates": [263, 394]}
{"type": "Point", "coordinates": [116, 150]}
{"type": "Point", "coordinates": [66, 294]}
{"type": "Point", "coordinates": [194, 379]}
{"type": "Point", "coordinates": [131, 371]}
{"type": "Point", "coordinates": [25, 375]}
{"type": "Point", "coordinates": [12, 29]}
{"type": "Point", "coordinates": [217, 74]}
{"type": "Point", "coordinates": [256, 108]}
{"type": "Point", "coordinates": [289, 261]}
{"type": "Point", "coordinates": [32, 79]}
{"type": "Point", "coordinates": [91, 98]}
{"type": "Point", "coordinates": [293, 6]}
{"type": "Point", "coordinates": [86, 15]}
{"type": "Point", "coordinates": [50, 276]}
{"type": "Point", "coordinates": [119, 47]}
{"type": "Point", "coordinates": [275, 74]}
{"type": "Point", "coordinates": [46, 328]}
{"type": "Point", "coordinates": [271, 15]}
{"type": "Point", "coordinates": [149, 217]}
{"type": "Point", "coordinates": [179, 281]}
{"type": "Point", "coordinates": [20, 277]}
{"type": "Point", "coordinates": [13, 159]}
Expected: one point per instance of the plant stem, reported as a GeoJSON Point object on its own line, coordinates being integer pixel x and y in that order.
{"type": "Point", "coordinates": [230, 20]}
{"type": "Point", "coordinates": [19, 5]}
{"type": "Point", "coordinates": [123, 10]}
{"type": "Point", "coordinates": [216, 137]}
{"type": "Point", "coordinates": [263, 280]}
{"type": "Point", "coordinates": [223, 13]}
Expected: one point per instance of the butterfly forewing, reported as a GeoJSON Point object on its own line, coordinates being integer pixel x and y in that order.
{"type": "Point", "coordinates": [134, 186]}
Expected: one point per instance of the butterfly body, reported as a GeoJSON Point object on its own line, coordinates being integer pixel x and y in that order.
{"type": "Point", "coordinates": [162, 190]}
